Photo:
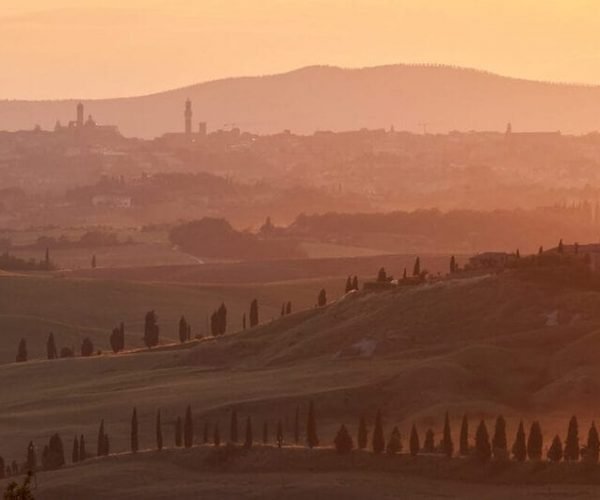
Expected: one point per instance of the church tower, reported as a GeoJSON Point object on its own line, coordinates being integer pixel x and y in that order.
{"type": "Point", "coordinates": [188, 117]}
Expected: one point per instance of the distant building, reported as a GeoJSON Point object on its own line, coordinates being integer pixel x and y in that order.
{"type": "Point", "coordinates": [490, 260]}
{"type": "Point", "coordinates": [112, 201]}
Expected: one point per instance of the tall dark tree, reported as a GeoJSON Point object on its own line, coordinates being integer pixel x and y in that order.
{"type": "Point", "coordinates": [22, 351]}
{"type": "Point", "coordinates": [279, 436]}
{"type": "Point", "coordinates": [429, 443]}
{"type": "Point", "coordinates": [463, 444]}
{"type": "Point", "coordinates": [447, 444]}
{"type": "Point", "coordinates": [51, 347]}
{"type": "Point", "coordinates": [115, 340]}
{"type": "Point", "coordinates": [561, 249]}
{"type": "Point", "coordinates": [394, 445]}
{"type": "Point", "coordinates": [288, 307]}
{"type": "Point", "coordinates": [417, 267]}
{"type": "Point", "coordinates": [297, 426]}
{"type": "Point", "coordinates": [592, 448]}
{"type": "Point", "coordinates": [499, 442]}
{"type": "Point", "coordinates": [94, 261]}
{"type": "Point", "coordinates": [101, 434]}
{"type": "Point", "coordinates": [378, 438]}
{"type": "Point", "coordinates": [483, 449]}
{"type": "Point", "coordinates": [217, 436]}
{"type": "Point", "coordinates": [233, 428]}
{"type": "Point", "coordinates": [188, 428]}
{"type": "Point", "coordinates": [75, 452]}
{"type": "Point", "coordinates": [322, 299]}
{"type": "Point", "coordinates": [54, 457]}
{"type": "Point", "coordinates": [31, 457]}
{"type": "Point", "coordinates": [312, 439]}
{"type": "Point", "coordinates": [82, 450]}
{"type": "Point", "coordinates": [555, 453]}
{"type": "Point", "coordinates": [414, 443]}
{"type": "Point", "coordinates": [363, 434]}
{"type": "Point", "coordinates": [183, 329]}
{"type": "Point", "coordinates": [343, 441]}
{"type": "Point", "coordinates": [87, 347]}
{"type": "Point", "coordinates": [254, 313]}
{"type": "Point", "coordinates": [248, 441]}
{"type": "Point", "coordinates": [571, 451]}
{"type": "Point", "coordinates": [348, 284]}
{"type": "Point", "coordinates": [151, 329]}
{"type": "Point", "coordinates": [519, 448]}
{"type": "Point", "coordinates": [355, 283]}
{"type": "Point", "coordinates": [265, 434]}
{"type": "Point", "coordinates": [535, 442]}
{"type": "Point", "coordinates": [178, 432]}
{"type": "Point", "coordinates": [134, 432]}
{"type": "Point", "coordinates": [159, 436]}
{"type": "Point", "coordinates": [382, 275]}
{"type": "Point", "coordinates": [404, 275]}
{"type": "Point", "coordinates": [452, 265]}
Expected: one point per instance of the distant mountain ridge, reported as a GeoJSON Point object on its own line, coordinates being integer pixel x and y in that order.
{"type": "Point", "coordinates": [408, 97]}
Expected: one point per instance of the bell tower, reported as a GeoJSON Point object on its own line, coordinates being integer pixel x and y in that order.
{"type": "Point", "coordinates": [188, 117]}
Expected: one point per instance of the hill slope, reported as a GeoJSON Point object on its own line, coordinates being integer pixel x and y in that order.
{"type": "Point", "coordinates": [329, 98]}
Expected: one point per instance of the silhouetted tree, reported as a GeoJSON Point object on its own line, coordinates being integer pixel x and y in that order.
{"type": "Point", "coordinates": [355, 283]}
{"type": "Point", "coordinates": [82, 450]}
{"type": "Point", "coordinates": [254, 313]}
{"type": "Point", "coordinates": [363, 434]}
{"type": "Point", "coordinates": [414, 443]}
{"type": "Point", "coordinates": [297, 426]}
{"type": "Point", "coordinates": [55, 454]}
{"type": "Point", "coordinates": [343, 441]}
{"type": "Point", "coordinates": [429, 444]}
{"type": "Point", "coordinates": [311, 427]}
{"type": "Point", "coordinates": [535, 442]}
{"type": "Point", "coordinates": [14, 491]}
{"type": "Point", "coordinates": [348, 284]}
{"type": "Point", "coordinates": [394, 445]}
{"type": "Point", "coordinates": [22, 351]}
{"type": "Point", "coordinates": [572, 443]}
{"type": "Point", "coordinates": [447, 444]}
{"type": "Point", "coordinates": [555, 453]}
{"type": "Point", "coordinates": [463, 445]}
{"type": "Point", "coordinates": [51, 347]}
{"type": "Point", "coordinates": [417, 267]}
{"type": "Point", "coordinates": [560, 246]}
{"type": "Point", "coordinates": [452, 265]}
{"type": "Point", "coordinates": [134, 431]}
{"type": "Point", "coordinates": [31, 458]}
{"type": "Point", "coordinates": [499, 442]}
{"type": "Point", "coordinates": [178, 432]}
{"type": "Point", "coordinates": [117, 338]}
{"type": "Point", "coordinates": [519, 448]}
{"type": "Point", "coordinates": [101, 434]}
{"type": "Point", "coordinates": [75, 452]}
{"type": "Point", "coordinates": [382, 275]}
{"type": "Point", "coordinates": [265, 433]}
{"type": "Point", "coordinates": [404, 274]}
{"type": "Point", "coordinates": [233, 428]}
{"type": "Point", "coordinates": [216, 436]}
{"type": "Point", "coordinates": [483, 449]}
{"type": "Point", "coordinates": [279, 434]}
{"type": "Point", "coordinates": [288, 308]}
{"type": "Point", "coordinates": [248, 441]}
{"type": "Point", "coordinates": [188, 428]}
{"type": "Point", "coordinates": [151, 329]}
{"type": "Point", "coordinates": [378, 439]}
{"type": "Point", "coordinates": [183, 329]}
{"type": "Point", "coordinates": [94, 261]}
{"type": "Point", "coordinates": [592, 448]}
{"type": "Point", "coordinates": [87, 347]}
{"type": "Point", "coordinates": [322, 299]}
{"type": "Point", "coordinates": [159, 436]}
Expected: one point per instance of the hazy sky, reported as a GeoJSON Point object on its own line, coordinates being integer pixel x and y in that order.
{"type": "Point", "coordinates": [97, 48]}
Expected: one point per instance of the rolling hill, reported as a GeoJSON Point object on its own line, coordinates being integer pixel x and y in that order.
{"type": "Point", "coordinates": [330, 98]}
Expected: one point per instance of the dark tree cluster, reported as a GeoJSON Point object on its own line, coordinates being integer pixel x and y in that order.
{"type": "Point", "coordinates": [117, 338]}
{"type": "Point", "coordinates": [151, 330]}
{"type": "Point", "coordinates": [286, 308]}
{"type": "Point", "coordinates": [218, 321]}
{"type": "Point", "coordinates": [185, 330]}
{"type": "Point", "coordinates": [351, 284]}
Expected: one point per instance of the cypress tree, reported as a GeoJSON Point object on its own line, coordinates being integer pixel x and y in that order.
{"type": "Point", "coordinates": [82, 450]}
{"type": "Point", "coordinates": [343, 441]}
{"type": "Point", "coordinates": [378, 439]}
{"type": "Point", "coordinates": [87, 348]}
{"type": "Point", "coordinates": [417, 267]}
{"type": "Point", "coordinates": [288, 308]}
{"type": "Point", "coordinates": [254, 313]}
{"type": "Point", "coordinates": [249, 438]}
{"type": "Point", "coordinates": [322, 299]}
{"type": "Point", "coordinates": [188, 428]}
{"type": "Point", "coordinates": [22, 351]}
{"type": "Point", "coordinates": [348, 284]}
{"type": "Point", "coordinates": [394, 445]}
{"type": "Point", "coordinates": [561, 249]}
{"type": "Point", "coordinates": [159, 437]}
{"type": "Point", "coordinates": [134, 432]}
{"type": "Point", "coordinates": [452, 265]}
{"type": "Point", "coordinates": [555, 453]}
{"type": "Point", "coordinates": [178, 433]}
{"type": "Point", "coordinates": [519, 448]}
{"type": "Point", "coordinates": [311, 427]}
{"type": "Point", "coordinates": [279, 434]}
{"type": "Point", "coordinates": [75, 453]}
{"type": "Point", "coordinates": [429, 444]}
{"type": "Point", "coordinates": [183, 329]}
{"type": "Point", "coordinates": [297, 426]}
{"type": "Point", "coordinates": [499, 443]}
{"type": "Point", "coordinates": [51, 347]}
{"type": "Point", "coordinates": [382, 275]}
{"type": "Point", "coordinates": [205, 433]}
{"type": "Point", "coordinates": [355, 283]}
{"type": "Point", "coordinates": [31, 458]}
{"type": "Point", "coordinates": [265, 436]}
{"type": "Point", "coordinates": [151, 329]}
{"type": "Point", "coordinates": [363, 434]}
{"type": "Point", "coordinates": [415, 445]}
{"type": "Point", "coordinates": [447, 444]}
{"type": "Point", "coordinates": [100, 447]}
{"type": "Point", "coordinates": [217, 436]}
{"type": "Point", "coordinates": [535, 442]}
{"type": "Point", "coordinates": [571, 451]}
{"type": "Point", "coordinates": [404, 275]}
{"type": "Point", "coordinates": [592, 449]}
{"type": "Point", "coordinates": [233, 428]}
{"type": "Point", "coordinates": [482, 443]}
{"type": "Point", "coordinates": [464, 436]}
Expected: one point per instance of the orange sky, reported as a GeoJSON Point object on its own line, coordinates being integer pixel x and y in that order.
{"type": "Point", "coordinates": [59, 48]}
